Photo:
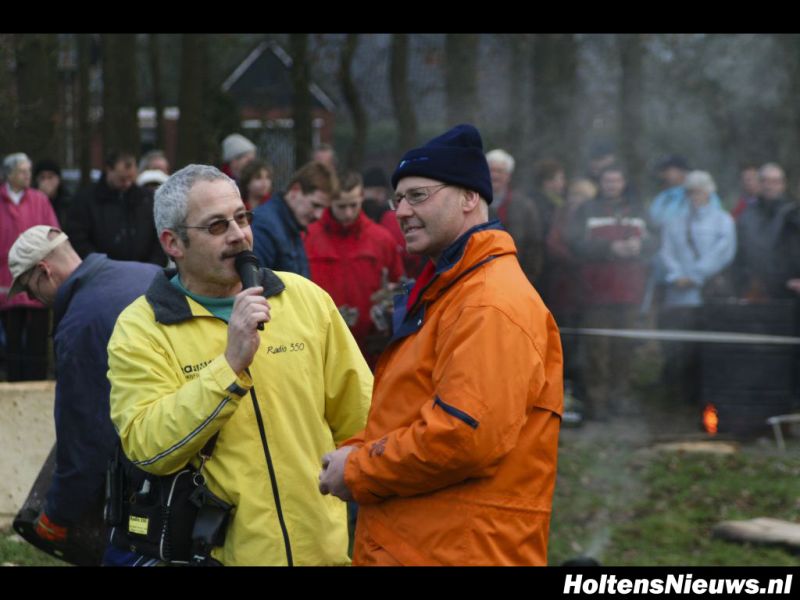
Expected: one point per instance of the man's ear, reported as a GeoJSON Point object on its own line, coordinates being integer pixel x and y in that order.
{"type": "Point", "coordinates": [45, 267]}
{"type": "Point", "coordinates": [470, 200]}
{"type": "Point", "coordinates": [172, 244]}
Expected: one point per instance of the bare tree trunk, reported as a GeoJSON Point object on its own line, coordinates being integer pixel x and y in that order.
{"type": "Point", "coordinates": [37, 85]}
{"type": "Point", "coordinates": [519, 131]}
{"type": "Point", "coordinates": [355, 158]}
{"type": "Point", "coordinates": [83, 131]}
{"type": "Point", "coordinates": [518, 114]}
{"type": "Point", "coordinates": [120, 93]}
{"type": "Point", "coordinates": [631, 116]}
{"type": "Point", "coordinates": [298, 43]}
{"type": "Point", "coordinates": [401, 99]}
{"type": "Point", "coordinates": [191, 138]}
{"type": "Point", "coordinates": [461, 77]}
{"type": "Point", "coordinates": [158, 92]}
{"type": "Point", "coordinates": [555, 82]}
{"type": "Point", "coordinates": [8, 99]}
{"type": "Point", "coordinates": [717, 102]}
{"type": "Point", "coordinates": [789, 146]}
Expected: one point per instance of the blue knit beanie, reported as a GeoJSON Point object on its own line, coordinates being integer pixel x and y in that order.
{"type": "Point", "coordinates": [455, 157]}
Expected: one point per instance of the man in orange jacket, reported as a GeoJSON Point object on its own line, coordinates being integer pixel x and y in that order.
{"type": "Point", "coordinates": [457, 464]}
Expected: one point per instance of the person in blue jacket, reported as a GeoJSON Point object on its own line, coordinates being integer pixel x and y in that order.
{"type": "Point", "coordinates": [87, 297]}
{"type": "Point", "coordinates": [674, 200]}
{"type": "Point", "coordinates": [278, 225]}
{"type": "Point", "coordinates": [696, 249]}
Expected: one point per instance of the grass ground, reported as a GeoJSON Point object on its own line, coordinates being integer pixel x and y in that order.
{"type": "Point", "coordinates": [16, 551]}
{"type": "Point", "coordinates": [625, 504]}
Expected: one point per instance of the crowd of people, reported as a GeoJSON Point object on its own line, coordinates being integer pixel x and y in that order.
{"type": "Point", "coordinates": [604, 258]}
{"type": "Point", "coordinates": [412, 320]}
{"type": "Point", "coordinates": [600, 256]}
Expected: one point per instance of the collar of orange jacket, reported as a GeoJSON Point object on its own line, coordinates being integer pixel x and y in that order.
{"type": "Point", "coordinates": [470, 251]}
{"type": "Point", "coordinates": [474, 247]}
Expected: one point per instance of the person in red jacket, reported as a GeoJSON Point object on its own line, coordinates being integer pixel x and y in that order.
{"type": "Point", "coordinates": [24, 319]}
{"type": "Point", "coordinates": [351, 258]}
{"type": "Point", "coordinates": [612, 239]}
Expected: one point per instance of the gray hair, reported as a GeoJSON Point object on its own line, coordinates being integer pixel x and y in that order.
{"type": "Point", "coordinates": [12, 161]}
{"type": "Point", "coordinates": [771, 166]}
{"type": "Point", "coordinates": [700, 180]}
{"type": "Point", "coordinates": [501, 156]}
{"type": "Point", "coordinates": [144, 163]}
{"type": "Point", "coordinates": [171, 198]}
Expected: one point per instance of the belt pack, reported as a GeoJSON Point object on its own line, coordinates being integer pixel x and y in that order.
{"type": "Point", "coordinates": [174, 518]}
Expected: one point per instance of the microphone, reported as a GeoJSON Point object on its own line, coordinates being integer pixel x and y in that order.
{"type": "Point", "coordinates": [248, 268]}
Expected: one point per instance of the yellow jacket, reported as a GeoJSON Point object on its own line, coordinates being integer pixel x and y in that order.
{"type": "Point", "coordinates": [172, 389]}
{"type": "Point", "coordinates": [457, 464]}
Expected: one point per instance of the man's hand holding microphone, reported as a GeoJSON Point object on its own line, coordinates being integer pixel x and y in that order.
{"type": "Point", "coordinates": [250, 311]}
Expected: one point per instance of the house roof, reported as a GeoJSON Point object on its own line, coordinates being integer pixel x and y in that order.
{"type": "Point", "coordinates": [264, 79]}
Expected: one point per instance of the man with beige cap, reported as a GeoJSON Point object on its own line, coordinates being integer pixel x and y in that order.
{"type": "Point", "coordinates": [86, 296]}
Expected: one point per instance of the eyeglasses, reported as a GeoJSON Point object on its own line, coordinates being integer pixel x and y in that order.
{"type": "Point", "coordinates": [220, 226]}
{"type": "Point", "coordinates": [416, 195]}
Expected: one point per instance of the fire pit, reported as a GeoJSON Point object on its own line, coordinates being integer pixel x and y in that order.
{"type": "Point", "coordinates": [745, 384]}
{"type": "Point", "coordinates": [710, 419]}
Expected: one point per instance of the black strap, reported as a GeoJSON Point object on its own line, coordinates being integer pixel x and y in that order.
{"type": "Point", "coordinates": [272, 477]}
{"type": "Point", "coordinates": [203, 528]}
{"type": "Point", "coordinates": [208, 449]}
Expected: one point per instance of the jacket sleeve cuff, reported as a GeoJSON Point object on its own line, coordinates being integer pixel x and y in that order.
{"type": "Point", "coordinates": [228, 380]}
{"type": "Point", "coordinates": [355, 440]}
{"type": "Point", "coordinates": [354, 479]}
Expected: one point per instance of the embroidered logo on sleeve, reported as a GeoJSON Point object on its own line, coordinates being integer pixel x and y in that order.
{"type": "Point", "coordinates": [193, 371]}
{"type": "Point", "coordinates": [378, 448]}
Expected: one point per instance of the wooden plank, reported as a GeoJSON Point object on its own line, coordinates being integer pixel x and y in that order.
{"type": "Point", "coordinates": [762, 530]}
{"type": "Point", "coordinates": [708, 447]}
{"type": "Point", "coordinates": [27, 433]}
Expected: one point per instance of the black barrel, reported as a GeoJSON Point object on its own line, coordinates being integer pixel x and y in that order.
{"type": "Point", "coordinates": [748, 383]}
{"type": "Point", "coordinates": [87, 539]}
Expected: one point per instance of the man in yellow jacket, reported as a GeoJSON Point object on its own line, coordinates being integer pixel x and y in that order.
{"type": "Point", "coordinates": [187, 361]}
{"type": "Point", "coordinates": [457, 464]}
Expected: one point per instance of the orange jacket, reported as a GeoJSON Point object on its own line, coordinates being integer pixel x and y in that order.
{"type": "Point", "coordinates": [457, 463]}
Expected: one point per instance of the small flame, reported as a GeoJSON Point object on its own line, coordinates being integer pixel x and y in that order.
{"type": "Point", "coordinates": [710, 419]}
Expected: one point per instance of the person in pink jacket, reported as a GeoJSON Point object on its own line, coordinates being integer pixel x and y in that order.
{"type": "Point", "coordinates": [25, 320]}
